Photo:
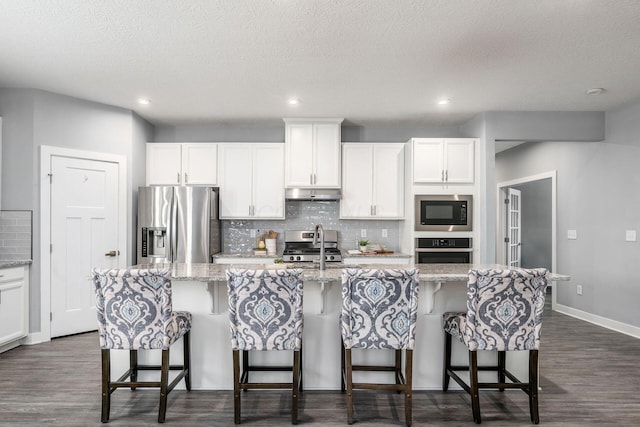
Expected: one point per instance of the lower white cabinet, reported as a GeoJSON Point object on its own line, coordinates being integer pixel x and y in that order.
{"type": "Point", "coordinates": [251, 179]}
{"type": "Point", "coordinates": [14, 304]}
{"type": "Point", "coordinates": [372, 181]}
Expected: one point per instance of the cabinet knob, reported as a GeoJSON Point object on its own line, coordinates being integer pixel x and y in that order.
{"type": "Point", "coordinates": [186, 178]}
{"type": "Point", "coordinates": [112, 253]}
{"type": "Point", "coordinates": [178, 175]}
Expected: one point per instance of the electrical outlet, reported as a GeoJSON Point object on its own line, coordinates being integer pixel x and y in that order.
{"type": "Point", "coordinates": [363, 232]}
{"type": "Point", "coordinates": [572, 234]}
{"type": "Point", "coordinates": [630, 236]}
{"type": "Point", "coordinates": [579, 289]}
{"type": "Point", "coordinates": [252, 232]}
{"type": "Point", "coordinates": [385, 232]}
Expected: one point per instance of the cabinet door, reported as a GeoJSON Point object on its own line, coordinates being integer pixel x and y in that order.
{"type": "Point", "coordinates": [268, 181]}
{"type": "Point", "coordinates": [164, 164]}
{"type": "Point", "coordinates": [428, 157]}
{"type": "Point", "coordinates": [235, 166]}
{"type": "Point", "coordinates": [388, 180]}
{"type": "Point", "coordinates": [13, 305]}
{"type": "Point", "coordinates": [200, 164]}
{"type": "Point", "coordinates": [357, 182]}
{"type": "Point", "coordinates": [299, 146]}
{"type": "Point", "coordinates": [327, 155]}
{"type": "Point", "coordinates": [459, 160]}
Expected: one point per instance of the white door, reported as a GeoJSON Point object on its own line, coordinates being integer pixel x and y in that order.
{"type": "Point", "coordinates": [357, 183]}
{"type": "Point", "coordinates": [84, 234]}
{"type": "Point", "coordinates": [514, 227]}
{"type": "Point", "coordinates": [268, 181]}
{"type": "Point", "coordinates": [200, 164]}
{"type": "Point", "coordinates": [388, 180]}
{"type": "Point", "coordinates": [235, 167]}
{"type": "Point", "coordinates": [164, 164]}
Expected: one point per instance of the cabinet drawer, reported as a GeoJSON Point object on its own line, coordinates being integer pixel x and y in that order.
{"type": "Point", "coordinates": [11, 274]}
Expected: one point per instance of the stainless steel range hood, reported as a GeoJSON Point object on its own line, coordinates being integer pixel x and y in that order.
{"type": "Point", "coordinates": [313, 194]}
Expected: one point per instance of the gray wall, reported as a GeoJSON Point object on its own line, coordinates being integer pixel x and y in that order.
{"type": "Point", "coordinates": [596, 196]}
{"type": "Point", "coordinates": [33, 118]}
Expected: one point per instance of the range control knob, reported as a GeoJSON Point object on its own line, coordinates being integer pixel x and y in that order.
{"type": "Point", "coordinates": [330, 257]}
{"type": "Point", "coordinates": [297, 258]}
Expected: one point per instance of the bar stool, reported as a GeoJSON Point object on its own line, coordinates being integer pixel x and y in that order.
{"type": "Point", "coordinates": [135, 313]}
{"type": "Point", "coordinates": [379, 311]}
{"type": "Point", "coordinates": [265, 313]}
{"type": "Point", "coordinates": [504, 313]}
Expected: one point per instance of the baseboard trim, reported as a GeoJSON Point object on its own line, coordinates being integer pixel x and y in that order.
{"type": "Point", "coordinates": [614, 325]}
{"type": "Point", "coordinates": [33, 338]}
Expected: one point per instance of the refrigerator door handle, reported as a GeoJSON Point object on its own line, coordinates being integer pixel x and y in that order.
{"type": "Point", "coordinates": [173, 237]}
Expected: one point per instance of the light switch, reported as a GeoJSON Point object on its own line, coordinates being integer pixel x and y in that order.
{"type": "Point", "coordinates": [631, 235]}
{"type": "Point", "coordinates": [572, 234]}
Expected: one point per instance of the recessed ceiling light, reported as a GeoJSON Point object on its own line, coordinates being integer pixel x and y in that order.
{"type": "Point", "coordinates": [294, 101]}
{"type": "Point", "coordinates": [595, 91]}
{"type": "Point", "coordinates": [444, 101]}
{"type": "Point", "coordinates": [144, 101]}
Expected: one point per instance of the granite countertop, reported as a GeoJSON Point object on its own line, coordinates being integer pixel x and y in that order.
{"type": "Point", "coordinates": [14, 263]}
{"type": "Point", "coordinates": [345, 254]}
{"type": "Point", "coordinates": [428, 272]}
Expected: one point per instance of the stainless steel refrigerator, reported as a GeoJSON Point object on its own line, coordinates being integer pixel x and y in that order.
{"type": "Point", "coordinates": [177, 224]}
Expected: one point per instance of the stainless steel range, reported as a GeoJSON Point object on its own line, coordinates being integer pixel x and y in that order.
{"type": "Point", "coordinates": [299, 246]}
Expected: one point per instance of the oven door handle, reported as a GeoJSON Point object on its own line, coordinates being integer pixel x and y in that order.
{"type": "Point", "coordinates": [444, 249]}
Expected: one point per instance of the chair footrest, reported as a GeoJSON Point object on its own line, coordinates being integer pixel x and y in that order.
{"type": "Point", "coordinates": [370, 386]}
{"type": "Point", "coordinates": [247, 386]}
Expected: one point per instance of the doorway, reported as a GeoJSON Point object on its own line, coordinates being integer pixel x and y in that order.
{"type": "Point", "coordinates": [535, 225]}
{"type": "Point", "coordinates": [83, 225]}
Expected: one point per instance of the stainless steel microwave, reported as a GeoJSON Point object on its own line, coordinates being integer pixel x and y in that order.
{"type": "Point", "coordinates": [444, 212]}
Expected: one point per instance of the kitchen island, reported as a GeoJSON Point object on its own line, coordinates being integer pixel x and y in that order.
{"type": "Point", "coordinates": [201, 289]}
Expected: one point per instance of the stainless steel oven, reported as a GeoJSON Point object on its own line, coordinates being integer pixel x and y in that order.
{"type": "Point", "coordinates": [443, 212]}
{"type": "Point", "coordinates": [436, 250]}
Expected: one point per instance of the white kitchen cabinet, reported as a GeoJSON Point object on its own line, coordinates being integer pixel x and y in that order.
{"type": "Point", "coordinates": [182, 164]}
{"type": "Point", "coordinates": [14, 305]}
{"type": "Point", "coordinates": [372, 181]}
{"type": "Point", "coordinates": [251, 180]}
{"type": "Point", "coordinates": [448, 161]}
{"type": "Point", "coordinates": [313, 153]}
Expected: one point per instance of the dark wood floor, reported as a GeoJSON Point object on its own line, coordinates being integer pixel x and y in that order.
{"type": "Point", "coordinates": [590, 375]}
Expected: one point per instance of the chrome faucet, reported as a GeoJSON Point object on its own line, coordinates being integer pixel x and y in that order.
{"type": "Point", "coordinates": [315, 241]}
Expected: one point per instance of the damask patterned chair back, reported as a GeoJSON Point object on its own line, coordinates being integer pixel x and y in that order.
{"type": "Point", "coordinates": [134, 309]}
{"type": "Point", "coordinates": [265, 313]}
{"type": "Point", "coordinates": [504, 309]}
{"type": "Point", "coordinates": [135, 313]}
{"type": "Point", "coordinates": [379, 311]}
{"type": "Point", "coordinates": [265, 309]}
{"type": "Point", "coordinates": [379, 308]}
{"type": "Point", "coordinates": [504, 313]}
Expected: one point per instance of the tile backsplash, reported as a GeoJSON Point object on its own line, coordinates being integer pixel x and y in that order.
{"type": "Point", "coordinates": [15, 235]}
{"type": "Point", "coordinates": [304, 215]}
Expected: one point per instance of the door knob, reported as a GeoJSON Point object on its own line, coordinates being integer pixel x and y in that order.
{"type": "Point", "coordinates": [112, 253]}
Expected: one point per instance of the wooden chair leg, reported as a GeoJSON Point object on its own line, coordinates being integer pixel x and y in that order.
{"type": "Point", "coordinates": [186, 352]}
{"type": "Point", "coordinates": [473, 383]}
{"type": "Point", "coordinates": [164, 381]}
{"type": "Point", "coordinates": [301, 370]}
{"type": "Point", "coordinates": [106, 389]}
{"type": "Point", "coordinates": [244, 378]}
{"type": "Point", "coordinates": [133, 365]}
{"type": "Point", "coordinates": [502, 365]}
{"type": "Point", "coordinates": [398, 367]}
{"type": "Point", "coordinates": [533, 386]}
{"type": "Point", "coordinates": [447, 361]}
{"type": "Point", "coordinates": [342, 366]}
{"type": "Point", "coordinates": [236, 386]}
{"type": "Point", "coordinates": [408, 372]}
{"type": "Point", "coordinates": [297, 367]}
{"type": "Point", "coordinates": [349, 375]}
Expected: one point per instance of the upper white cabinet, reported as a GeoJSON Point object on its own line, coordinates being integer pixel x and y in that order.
{"type": "Point", "coordinates": [251, 180]}
{"type": "Point", "coordinates": [182, 164]}
{"type": "Point", "coordinates": [449, 161]}
{"type": "Point", "coordinates": [372, 181]}
{"type": "Point", "coordinates": [14, 305]}
{"type": "Point", "coordinates": [312, 152]}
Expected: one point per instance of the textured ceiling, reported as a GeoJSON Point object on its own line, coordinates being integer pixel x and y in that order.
{"type": "Point", "coordinates": [367, 61]}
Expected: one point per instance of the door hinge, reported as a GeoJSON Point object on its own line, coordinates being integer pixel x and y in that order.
{"type": "Point", "coordinates": [50, 178]}
{"type": "Point", "coordinates": [506, 201]}
{"type": "Point", "coordinates": [50, 316]}
{"type": "Point", "coordinates": [50, 248]}
{"type": "Point", "coordinates": [506, 240]}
